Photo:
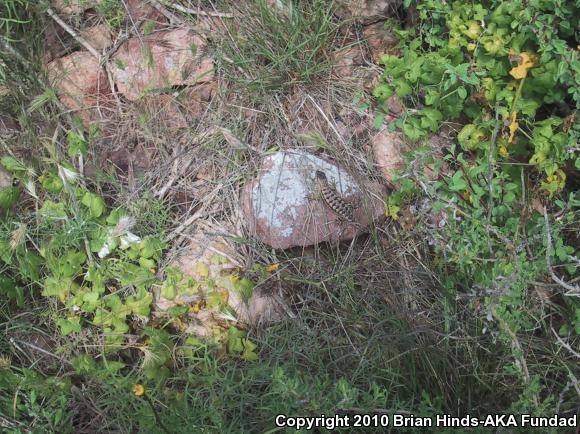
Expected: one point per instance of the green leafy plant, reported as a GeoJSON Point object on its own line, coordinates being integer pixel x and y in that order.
{"type": "Point", "coordinates": [507, 73]}
{"type": "Point", "coordinates": [501, 73]}
{"type": "Point", "coordinates": [113, 12]}
{"type": "Point", "coordinates": [84, 254]}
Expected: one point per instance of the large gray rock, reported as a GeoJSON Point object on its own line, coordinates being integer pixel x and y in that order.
{"type": "Point", "coordinates": [281, 212]}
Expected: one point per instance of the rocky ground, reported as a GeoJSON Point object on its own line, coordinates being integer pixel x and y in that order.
{"type": "Point", "coordinates": [165, 99]}
{"type": "Point", "coordinates": [209, 120]}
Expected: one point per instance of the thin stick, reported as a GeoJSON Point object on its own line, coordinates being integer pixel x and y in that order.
{"type": "Point", "coordinates": [74, 34]}
{"type": "Point", "coordinates": [564, 344]}
{"type": "Point", "coordinates": [189, 221]}
{"type": "Point", "coordinates": [197, 11]}
{"type": "Point", "coordinates": [518, 353]}
{"type": "Point", "coordinates": [171, 17]}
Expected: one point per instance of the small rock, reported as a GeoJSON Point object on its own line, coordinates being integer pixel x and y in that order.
{"type": "Point", "coordinates": [371, 80]}
{"type": "Point", "coordinates": [141, 10]}
{"type": "Point", "coordinates": [126, 162]}
{"type": "Point", "coordinates": [99, 36]}
{"type": "Point", "coordinates": [280, 213]}
{"type": "Point", "coordinates": [367, 10]}
{"type": "Point", "coordinates": [394, 105]}
{"type": "Point", "coordinates": [162, 60]}
{"type": "Point", "coordinates": [197, 99]}
{"type": "Point", "coordinates": [380, 40]}
{"type": "Point", "coordinates": [348, 60]}
{"type": "Point", "coordinates": [73, 7]}
{"type": "Point", "coordinates": [82, 85]}
{"type": "Point", "coordinates": [213, 263]}
{"type": "Point", "coordinates": [388, 149]}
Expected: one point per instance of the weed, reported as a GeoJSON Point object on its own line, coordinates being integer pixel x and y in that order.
{"type": "Point", "coordinates": [481, 62]}
{"type": "Point", "coordinates": [277, 47]}
{"type": "Point", "coordinates": [112, 11]}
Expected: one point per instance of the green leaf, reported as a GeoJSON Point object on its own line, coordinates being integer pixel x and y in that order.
{"type": "Point", "coordinates": [140, 303]}
{"type": "Point", "coordinates": [52, 211]}
{"type": "Point", "coordinates": [379, 119]}
{"type": "Point", "coordinates": [6, 251]}
{"type": "Point", "coordinates": [412, 129]}
{"type": "Point", "coordinates": [235, 344]}
{"type": "Point", "coordinates": [29, 264]}
{"type": "Point", "coordinates": [76, 144]}
{"type": "Point", "coordinates": [147, 263]}
{"type": "Point", "coordinates": [177, 311]}
{"type": "Point", "coordinates": [115, 215]}
{"type": "Point", "coordinates": [94, 203]}
{"type": "Point", "coordinates": [13, 165]}
{"type": "Point", "coordinates": [97, 278]}
{"type": "Point", "coordinates": [68, 265]}
{"type": "Point", "coordinates": [9, 196]}
{"type": "Point", "coordinates": [151, 248]}
{"type": "Point", "coordinates": [402, 88]}
{"type": "Point", "coordinates": [91, 301]}
{"type": "Point", "coordinates": [432, 97]}
{"type": "Point", "coordinates": [112, 366]}
{"type": "Point", "coordinates": [52, 183]}
{"type": "Point", "coordinates": [249, 354]}
{"type": "Point", "coordinates": [457, 182]}
{"type": "Point", "coordinates": [131, 274]}
{"type": "Point", "coordinates": [84, 364]}
{"type": "Point", "coordinates": [9, 289]}
{"type": "Point", "coordinates": [60, 288]}
{"type": "Point", "coordinates": [70, 325]}
{"type": "Point", "coordinates": [430, 119]}
{"type": "Point", "coordinates": [383, 91]}
{"type": "Point", "coordinates": [168, 291]}
{"type": "Point", "coordinates": [244, 287]}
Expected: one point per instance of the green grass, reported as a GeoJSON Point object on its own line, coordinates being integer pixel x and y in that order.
{"type": "Point", "coordinates": [274, 49]}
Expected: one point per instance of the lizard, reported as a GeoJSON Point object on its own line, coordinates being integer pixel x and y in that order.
{"type": "Point", "coordinates": [332, 198]}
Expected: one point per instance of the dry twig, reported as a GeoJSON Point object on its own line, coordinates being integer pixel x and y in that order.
{"type": "Point", "coordinates": [73, 33]}
{"type": "Point", "coordinates": [197, 11]}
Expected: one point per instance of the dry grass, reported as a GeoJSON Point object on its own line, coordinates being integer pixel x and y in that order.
{"type": "Point", "coordinates": [369, 310]}
{"type": "Point", "coordinates": [196, 173]}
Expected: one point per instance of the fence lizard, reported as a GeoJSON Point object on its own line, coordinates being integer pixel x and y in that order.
{"type": "Point", "coordinates": [332, 198]}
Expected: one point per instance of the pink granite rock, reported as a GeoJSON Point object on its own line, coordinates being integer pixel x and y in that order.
{"type": "Point", "coordinates": [281, 210]}
{"type": "Point", "coordinates": [389, 148]}
{"type": "Point", "coordinates": [82, 85]}
{"type": "Point", "coordinates": [161, 60]}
